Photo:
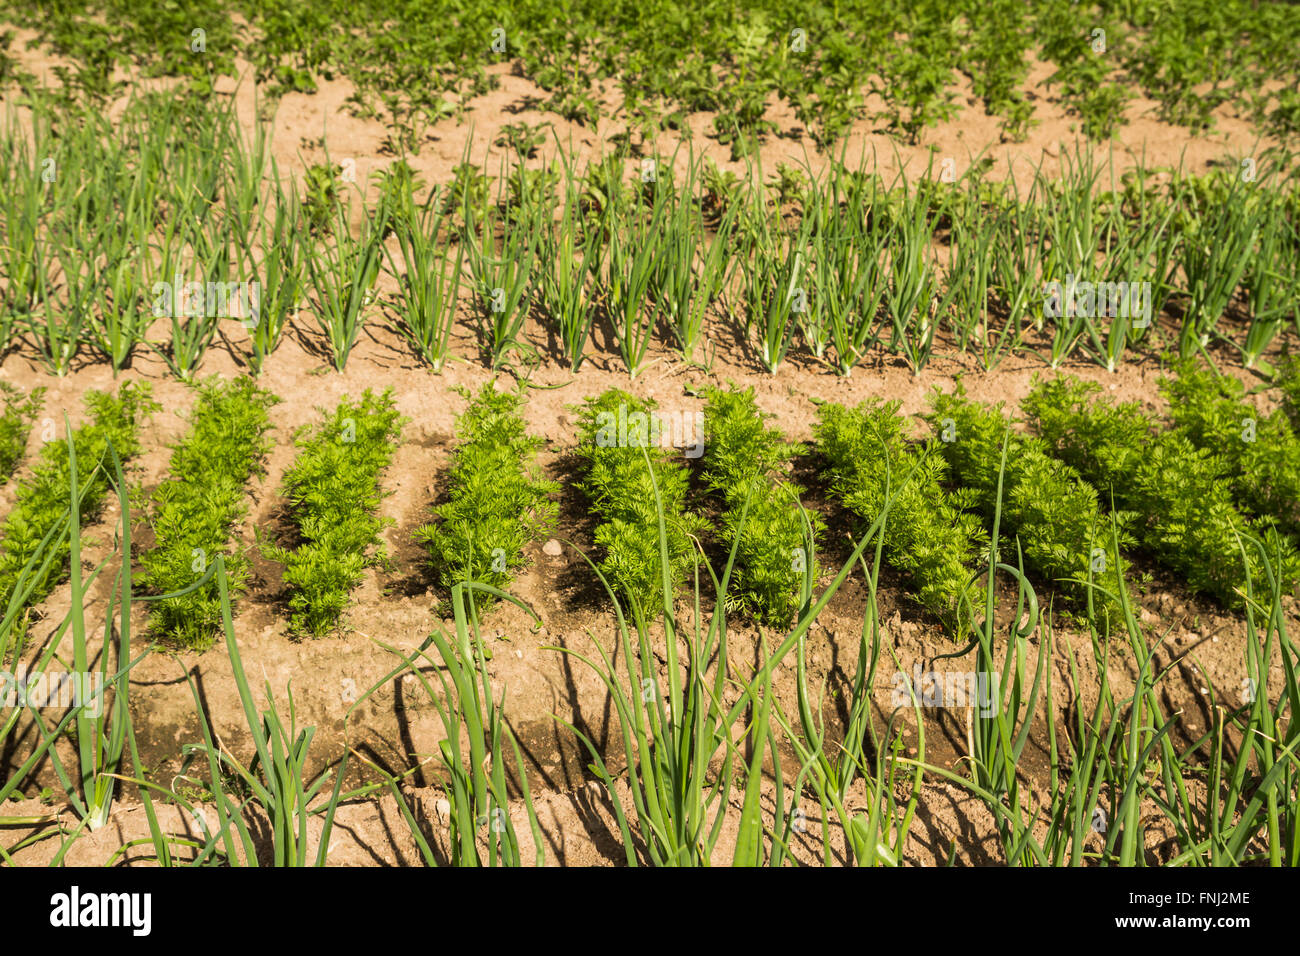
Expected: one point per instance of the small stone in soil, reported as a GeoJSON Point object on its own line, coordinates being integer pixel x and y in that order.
{"type": "Point", "coordinates": [553, 548]}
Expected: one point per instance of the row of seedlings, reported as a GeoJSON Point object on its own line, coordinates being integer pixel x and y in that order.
{"type": "Point", "coordinates": [930, 533]}
{"type": "Point", "coordinates": [1181, 495]}
{"type": "Point", "coordinates": [194, 513]}
{"type": "Point", "coordinates": [632, 481]}
{"type": "Point", "coordinates": [43, 499]}
{"type": "Point", "coordinates": [774, 539]}
{"type": "Point", "coordinates": [333, 493]}
{"type": "Point", "coordinates": [1061, 529]}
{"type": "Point", "coordinates": [20, 411]}
{"type": "Point", "coordinates": [497, 504]}
{"type": "Point", "coordinates": [1262, 453]}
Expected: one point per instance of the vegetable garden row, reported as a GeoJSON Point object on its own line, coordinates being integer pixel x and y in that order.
{"type": "Point", "coordinates": [104, 259]}
{"type": "Point", "coordinates": [1212, 493]}
{"type": "Point", "coordinates": [899, 64]}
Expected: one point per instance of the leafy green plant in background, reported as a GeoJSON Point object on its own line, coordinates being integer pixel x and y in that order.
{"type": "Point", "coordinates": [496, 504]}
{"type": "Point", "coordinates": [20, 411]}
{"type": "Point", "coordinates": [195, 511]}
{"type": "Point", "coordinates": [773, 538]}
{"type": "Point", "coordinates": [333, 494]}
{"type": "Point", "coordinates": [928, 533]}
{"type": "Point", "coordinates": [320, 200]}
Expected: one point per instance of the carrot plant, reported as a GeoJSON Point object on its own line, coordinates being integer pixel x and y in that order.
{"type": "Point", "coordinates": [1180, 494]}
{"type": "Point", "coordinates": [773, 536]}
{"type": "Point", "coordinates": [1262, 451]}
{"type": "Point", "coordinates": [1048, 505]}
{"type": "Point", "coordinates": [497, 503]}
{"type": "Point", "coordinates": [623, 467]}
{"type": "Point", "coordinates": [15, 423]}
{"type": "Point", "coordinates": [42, 499]}
{"type": "Point", "coordinates": [333, 493]}
{"type": "Point", "coordinates": [195, 511]}
{"type": "Point", "coordinates": [928, 533]}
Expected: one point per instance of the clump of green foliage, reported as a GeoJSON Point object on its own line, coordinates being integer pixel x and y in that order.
{"type": "Point", "coordinates": [1182, 494]}
{"type": "Point", "coordinates": [776, 542]}
{"type": "Point", "coordinates": [1049, 506]}
{"type": "Point", "coordinates": [497, 504]}
{"type": "Point", "coordinates": [624, 467]}
{"type": "Point", "coordinates": [1262, 452]}
{"type": "Point", "coordinates": [929, 534]}
{"type": "Point", "coordinates": [15, 423]}
{"type": "Point", "coordinates": [334, 493]}
{"type": "Point", "coordinates": [194, 511]}
{"type": "Point", "coordinates": [43, 498]}
{"type": "Point", "coordinates": [1289, 383]}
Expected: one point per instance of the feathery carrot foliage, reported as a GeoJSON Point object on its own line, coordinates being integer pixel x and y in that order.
{"type": "Point", "coordinates": [929, 533]}
{"type": "Point", "coordinates": [42, 498]}
{"type": "Point", "coordinates": [497, 504]}
{"type": "Point", "coordinates": [195, 511]}
{"type": "Point", "coordinates": [624, 468]}
{"type": "Point", "coordinates": [334, 493]}
{"type": "Point", "coordinates": [776, 544]}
